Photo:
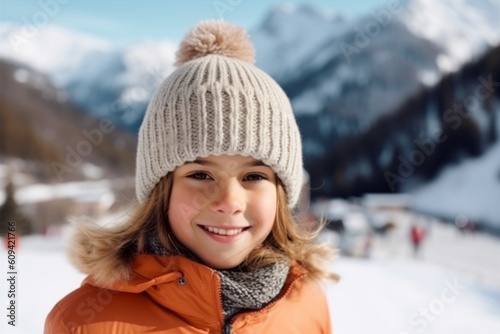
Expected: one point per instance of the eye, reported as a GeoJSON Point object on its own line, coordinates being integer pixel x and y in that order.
{"type": "Point", "coordinates": [199, 176]}
{"type": "Point", "coordinates": [254, 177]}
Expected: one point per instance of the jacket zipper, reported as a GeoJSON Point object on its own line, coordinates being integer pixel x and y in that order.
{"type": "Point", "coordinates": [226, 325]}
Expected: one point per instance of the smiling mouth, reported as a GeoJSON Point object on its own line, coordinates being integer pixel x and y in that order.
{"type": "Point", "coordinates": [225, 231]}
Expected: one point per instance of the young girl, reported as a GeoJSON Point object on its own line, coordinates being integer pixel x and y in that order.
{"type": "Point", "coordinates": [213, 246]}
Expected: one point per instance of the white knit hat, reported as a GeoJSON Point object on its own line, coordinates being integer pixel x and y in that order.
{"type": "Point", "coordinates": [217, 102]}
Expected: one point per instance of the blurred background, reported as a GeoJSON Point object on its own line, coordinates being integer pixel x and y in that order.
{"type": "Point", "coordinates": [398, 103]}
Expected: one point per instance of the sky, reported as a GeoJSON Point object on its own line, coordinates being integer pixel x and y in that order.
{"type": "Point", "coordinates": [130, 21]}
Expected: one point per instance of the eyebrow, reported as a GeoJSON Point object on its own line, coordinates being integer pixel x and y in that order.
{"type": "Point", "coordinates": [204, 162]}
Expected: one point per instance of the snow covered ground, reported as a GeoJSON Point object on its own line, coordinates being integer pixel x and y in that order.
{"type": "Point", "coordinates": [450, 289]}
{"type": "Point", "coordinates": [453, 286]}
{"type": "Point", "coordinates": [406, 297]}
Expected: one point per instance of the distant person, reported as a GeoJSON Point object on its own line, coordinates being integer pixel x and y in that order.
{"type": "Point", "coordinates": [368, 246]}
{"type": "Point", "coordinates": [213, 246]}
{"type": "Point", "coordinates": [417, 236]}
{"type": "Point", "coordinates": [470, 227]}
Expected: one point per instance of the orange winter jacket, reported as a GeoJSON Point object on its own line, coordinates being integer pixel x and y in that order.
{"type": "Point", "coordinates": [184, 299]}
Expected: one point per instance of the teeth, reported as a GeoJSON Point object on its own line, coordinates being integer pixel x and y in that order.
{"type": "Point", "coordinates": [223, 231]}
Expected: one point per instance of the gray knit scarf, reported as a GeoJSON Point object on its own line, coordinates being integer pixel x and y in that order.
{"type": "Point", "coordinates": [242, 289]}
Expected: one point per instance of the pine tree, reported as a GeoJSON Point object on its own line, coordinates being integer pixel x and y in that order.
{"type": "Point", "coordinates": [9, 211]}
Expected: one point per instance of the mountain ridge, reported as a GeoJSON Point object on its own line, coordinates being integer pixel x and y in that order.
{"type": "Point", "coordinates": [42, 126]}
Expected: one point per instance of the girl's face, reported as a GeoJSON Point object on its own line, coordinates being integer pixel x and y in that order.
{"type": "Point", "coordinates": [222, 207]}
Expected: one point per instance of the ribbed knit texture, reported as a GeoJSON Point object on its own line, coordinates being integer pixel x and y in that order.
{"type": "Point", "coordinates": [251, 290]}
{"type": "Point", "coordinates": [217, 105]}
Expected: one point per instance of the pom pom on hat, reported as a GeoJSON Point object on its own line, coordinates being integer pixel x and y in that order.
{"type": "Point", "coordinates": [218, 38]}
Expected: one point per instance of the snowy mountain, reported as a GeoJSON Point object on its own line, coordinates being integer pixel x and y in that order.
{"type": "Point", "coordinates": [369, 69]}
{"type": "Point", "coordinates": [44, 130]}
{"type": "Point", "coordinates": [460, 185]}
{"type": "Point", "coordinates": [344, 73]}
{"type": "Point", "coordinates": [463, 28]}
{"type": "Point", "coordinates": [104, 80]}
{"type": "Point", "coordinates": [439, 126]}
{"type": "Point", "coordinates": [52, 50]}
{"type": "Point", "coordinates": [119, 83]}
{"type": "Point", "coordinates": [289, 35]}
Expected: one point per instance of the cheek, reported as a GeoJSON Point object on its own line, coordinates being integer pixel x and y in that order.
{"type": "Point", "coordinates": [265, 207]}
{"type": "Point", "coordinates": [183, 207]}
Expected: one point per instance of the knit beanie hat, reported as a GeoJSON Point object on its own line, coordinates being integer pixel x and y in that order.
{"type": "Point", "coordinates": [217, 102]}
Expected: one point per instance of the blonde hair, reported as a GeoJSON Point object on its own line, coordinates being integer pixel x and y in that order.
{"type": "Point", "coordinates": [106, 253]}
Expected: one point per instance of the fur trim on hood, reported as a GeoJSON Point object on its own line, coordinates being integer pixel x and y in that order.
{"type": "Point", "coordinates": [99, 252]}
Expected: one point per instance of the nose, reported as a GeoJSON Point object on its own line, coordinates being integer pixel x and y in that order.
{"type": "Point", "coordinates": [229, 199]}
